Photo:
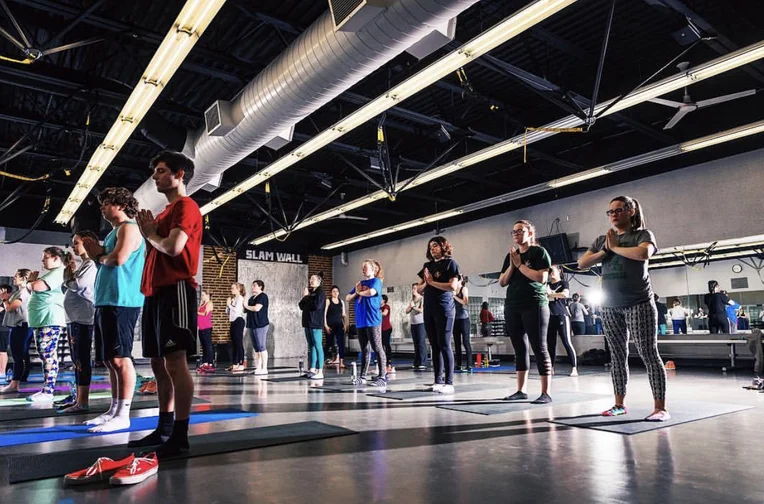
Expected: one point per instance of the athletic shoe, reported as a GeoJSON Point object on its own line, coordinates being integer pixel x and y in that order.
{"type": "Point", "coordinates": [317, 376]}
{"type": "Point", "coordinates": [446, 389]}
{"type": "Point", "coordinates": [101, 469]}
{"type": "Point", "coordinates": [358, 381]}
{"type": "Point", "coordinates": [65, 402]}
{"type": "Point", "coordinates": [379, 382]}
{"type": "Point", "coordinates": [661, 416]}
{"type": "Point", "coordinates": [421, 368]}
{"type": "Point", "coordinates": [517, 396]}
{"type": "Point", "coordinates": [758, 383]}
{"type": "Point", "coordinates": [615, 411]}
{"type": "Point", "coordinates": [544, 398]}
{"type": "Point", "coordinates": [140, 469]}
{"type": "Point", "coordinates": [574, 372]}
{"type": "Point", "coordinates": [151, 387]}
{"type": "Point", "coordinates": [435, 387]}
{"type": "Point", "coordinates": [40, 397]}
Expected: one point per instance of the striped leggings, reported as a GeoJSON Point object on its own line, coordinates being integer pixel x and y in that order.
{"type": "Point", "coordinates": [641, 323]}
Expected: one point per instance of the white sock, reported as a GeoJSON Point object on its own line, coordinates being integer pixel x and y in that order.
{"type": "Point", "coordinates": [105, 417]}
{"type": "Point", "coordinates": [114, 424]}
{"type": "Point", "coordinates": [123, 409]}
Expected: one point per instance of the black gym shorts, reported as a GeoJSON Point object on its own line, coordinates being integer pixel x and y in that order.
{"type": "Point", "coordinates": [169, 321]}
{"type": "Point", "coordinates": [115, 329]}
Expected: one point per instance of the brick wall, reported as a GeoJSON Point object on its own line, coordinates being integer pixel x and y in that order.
{"type": "Point", "coordinates": [216, 280]}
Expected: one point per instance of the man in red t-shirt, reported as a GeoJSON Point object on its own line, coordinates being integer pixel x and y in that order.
{"type": "Point", "coordinates": [168, 326]}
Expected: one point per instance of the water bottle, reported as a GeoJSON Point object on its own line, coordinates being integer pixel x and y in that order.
{"type": "Point", "coordinates": [354, 370]}
{"type": "Point", "coordinates": [301, 368]}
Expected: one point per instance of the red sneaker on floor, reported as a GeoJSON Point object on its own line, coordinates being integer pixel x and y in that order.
{"type": "Point", "coordinates": [140, 469]}
{"type": "Point", "coordinates": [100, 470]}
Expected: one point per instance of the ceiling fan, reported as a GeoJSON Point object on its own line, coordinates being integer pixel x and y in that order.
{"type": "Point", "coordinates": [687, 105]}
{"type": "Point", "coordinates": [344, 216]}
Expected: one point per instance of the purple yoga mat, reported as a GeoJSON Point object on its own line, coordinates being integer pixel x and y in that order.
{"type": "Point", "coordinates": [65, 388]}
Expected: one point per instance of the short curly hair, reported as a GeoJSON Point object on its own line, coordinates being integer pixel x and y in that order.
{"type": "Point", "coordinates": [445, 247]}
{"type": "Point", "coordinates": [120, 196]}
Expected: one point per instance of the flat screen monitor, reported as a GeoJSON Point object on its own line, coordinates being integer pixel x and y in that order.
{"type": "Point", "coordinates": [558, 248]}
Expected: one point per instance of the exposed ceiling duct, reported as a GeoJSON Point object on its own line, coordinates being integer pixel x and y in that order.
{"type": "Point", "coordinates": [317, 67]}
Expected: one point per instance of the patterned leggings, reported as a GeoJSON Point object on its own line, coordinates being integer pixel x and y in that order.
{"type": "Point", "coordinates": [372, 336]}
{"type": "Point", "coordinates": [47, 346]}
{"type": "Point", "coordinates": [640, 322]}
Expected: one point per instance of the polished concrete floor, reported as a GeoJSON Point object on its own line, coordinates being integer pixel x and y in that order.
{"type": "Point", "coordinates": [411, 451]}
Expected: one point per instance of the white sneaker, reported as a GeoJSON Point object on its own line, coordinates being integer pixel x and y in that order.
{"type": "Point", "coordinates": [317, 376]}
{"type": "Point", "coordinates": [40, 397]}
{"type": "Point", "coordinates": [446, 389]}
{"type": "Point", "coordinates": [435, 387]}
{"type": "Point", "coordinates": [574, 372]}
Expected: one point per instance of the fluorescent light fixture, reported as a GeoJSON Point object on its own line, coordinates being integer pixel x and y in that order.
{"type": "Point", "coordinates": [744, 131]}
{"type": "Point", "coordinates": [716, 256]}
{"type": "Point", "coordinates": [490, 39]}
{"type": "Point", "coordinates": [578, 177]}
{"type": "Point", "coordinates": [638, 96]}
{"type": "Point", "coordinates": [193, 19]}
{"type": "Point", "coordinates": [624, 164]}
{"type": "Point", "coordinates": [395, 229]}
{"type": "Point", "coordinates": [720, 244]}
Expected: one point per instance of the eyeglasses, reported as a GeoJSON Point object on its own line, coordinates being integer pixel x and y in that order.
{"type": "Point", "coordinates": [518, 232]}
{"type": "Point", "coordinates": [617, 211]}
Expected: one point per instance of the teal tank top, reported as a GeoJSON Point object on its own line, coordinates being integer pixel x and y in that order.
{"type": "Point", "coordinates": [120, 285]}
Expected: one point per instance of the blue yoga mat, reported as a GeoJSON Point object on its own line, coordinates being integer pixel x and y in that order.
{"type": "Point", "coordinates": [42, 435]}
{"type": "Point", "coordinates": [62, 377]}
{"type": "Point", "coordinates": [492, 369]}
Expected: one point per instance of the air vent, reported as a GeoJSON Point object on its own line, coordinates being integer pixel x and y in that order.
{"type": "Point", "coordinates": [352, 15]}
{"type": "Point", "coordinates": [218, 118]}
{"type": "Point", "coordinates": [740, 283]}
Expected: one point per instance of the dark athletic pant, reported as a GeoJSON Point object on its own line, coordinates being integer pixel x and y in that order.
{"type": "Point", "coordinates": [387, 335]}
{"type": "Point", "coordinates": [439, 324]}
{"type": "Point", "coordinates": [462, 337]}
{"type": "Point", "coordinates": [420, 344]}
{"type": "Point", "coordinates": [21, 339]}
{"type": "Point", "coordinates": [560, 325]}
{"type": "Point", "coordinates": [529, 325]}
{"type": "Point", "coordinates": [237, 340]}
{"type": "Point", "coordinates": [205, 337]}
{"type": "Point", "coordinates": [338, 334]}
{"type": "Point", "coordinates": [718, 324]}
{"type": "Point", "coordinates": [80, 343]}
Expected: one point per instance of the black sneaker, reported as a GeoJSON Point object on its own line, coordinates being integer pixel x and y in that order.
{"type": "Point", "coordinates": [517, 396]}
{"type": "Point", "coordinates": [542, 399]}
{"type": "Point", "coordinates": [65, 402]}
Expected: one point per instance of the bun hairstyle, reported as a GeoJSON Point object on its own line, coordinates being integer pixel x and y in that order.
{"type": "Point", "coordinates": [530, 227]}
{"type": "Point", "coordinates": [379, 272]}
{"type": "Point", "coordinates": [638, 220]}
{"type": "Point", "coordinates": [55, 252]}
{"type": "Point", "coordinates": [242, 289]}
{"type": "Point", "coordinates": [24, 273]}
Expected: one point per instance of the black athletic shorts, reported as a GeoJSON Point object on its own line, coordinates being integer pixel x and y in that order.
{"type": "Point", "coordinates": [115, 329]}
{"type": "Point", "coordinates": [169, 321]}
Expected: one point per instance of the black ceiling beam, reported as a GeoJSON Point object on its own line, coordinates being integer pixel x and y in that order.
{"type": "Point", "coordinates": [720, 44]}
{"type": "Point", "coordinates": [551, 92]}
{"type": "Point", "coordinates": [153, 38]}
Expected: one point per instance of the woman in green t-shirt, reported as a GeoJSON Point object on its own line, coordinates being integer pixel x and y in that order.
{"type": "Point", "coordinates": [526, 308]}
{"type": "Point", "coordinates": [47, 317]}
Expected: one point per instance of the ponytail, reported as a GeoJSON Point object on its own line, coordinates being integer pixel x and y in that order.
{"type": "Point", "coordinates": [638, 220]}
{"type": "Point", "coordinates": [530, 227]}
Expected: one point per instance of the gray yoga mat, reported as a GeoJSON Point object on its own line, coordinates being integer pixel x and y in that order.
{"type": "Point", "coordinates": [499, 407]}
{"type": "Point", "coordinates": [634, 423]}
{"type": "Point", "coordinates": [347, 387]}
{"type": "Point", "coordinates": [403, 395]}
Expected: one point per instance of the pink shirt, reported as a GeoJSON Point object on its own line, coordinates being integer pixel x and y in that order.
{"type": "Point", "coordinates": [203, 321]}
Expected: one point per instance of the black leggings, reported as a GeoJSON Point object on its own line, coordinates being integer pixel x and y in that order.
{"type": "Point", "coordinates": [526, 325]}
{"type": "Point", "coordinates": [718, 324]}
{"type": "Point", "coordinates": [439, 324]}
{"type": "Point", "coordinates": [205, 337]}
{"type": "Point", "coordinates": [387, 334]}
{"type": "Point", "coordinates": [338, 334]}
{"type": "Point", "coordinates": [237, 340]}
{"type": "Point", "coordinates": [560, 324]}
{"type": "Point", "coordinates": [462, 337]}
{"type": "Point", "coordinates": [80, 343]}
{"type": "Point", "coordinates": [21, 339]}
{"type": "Point", "coordinates": [420, 345]}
